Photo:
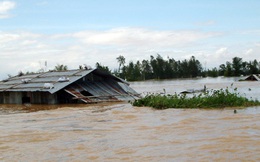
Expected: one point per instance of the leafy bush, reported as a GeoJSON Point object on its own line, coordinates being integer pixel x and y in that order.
{"type": "Point", "coordinates": [208, 99]}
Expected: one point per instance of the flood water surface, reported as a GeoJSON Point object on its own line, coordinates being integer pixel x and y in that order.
{"type": "Point", "coordinates": [121, 132]}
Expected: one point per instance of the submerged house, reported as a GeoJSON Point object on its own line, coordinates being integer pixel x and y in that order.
{"type": "Point", "coordinates": [253, 77]}
{"type": "Point", "coordinates": [72, 86]}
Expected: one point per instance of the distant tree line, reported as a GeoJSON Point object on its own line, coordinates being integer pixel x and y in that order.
{"type": "Point", "coordinates": [160, 68]}
{"type": "Point", "coordinates": [236, 67]}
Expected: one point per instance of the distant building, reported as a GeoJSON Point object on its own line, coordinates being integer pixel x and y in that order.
{"type": "Point", "coordinates": [253, 77]}
{"type": "Point", "coordinates": [72, 86]}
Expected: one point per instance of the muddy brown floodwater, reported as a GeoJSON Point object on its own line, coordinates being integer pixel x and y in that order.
{"type": "Point", "coordinates": [121, 132]}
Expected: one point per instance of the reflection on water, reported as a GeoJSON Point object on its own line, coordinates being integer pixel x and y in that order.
{"type": "Point", "coordinates": [120, 132]}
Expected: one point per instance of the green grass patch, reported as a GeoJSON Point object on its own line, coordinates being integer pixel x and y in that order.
{"type": "Point", "coordinates": [208, 99]}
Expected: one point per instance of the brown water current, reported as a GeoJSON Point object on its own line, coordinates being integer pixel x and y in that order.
{"type": "Point", "coordinates": [121, 132]}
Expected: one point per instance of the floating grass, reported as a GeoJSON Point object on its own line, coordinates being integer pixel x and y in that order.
{"type": "Point", "coordinates": [209, 99]}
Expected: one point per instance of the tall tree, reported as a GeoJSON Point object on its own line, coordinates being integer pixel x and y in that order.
{"type": "Point", "coordinates": [253, 67]}
{"type": "Point", "coordinates": [237, 66]}
{"type": "Point", "coordinates": [130, 71]}
{"type": "Point", "coordinates": [184, 68]}
{"type": "Point", "coordinates": [195, 67]}
{"type": "Point", "coordinates": [154, 66]}
{"type": "Point", "coordinates": [160, 67]}
{"type": "Point", "coordinates": [169, 73]}
{"type": "Point", "coordinates": [228, 71]}
{"type": "Point", "coordinates": [137, 71]}
{"type": "Point", "coordinates": [146, 70]}
{"type": "Point", "coordinates": [121, 61]}
{"type": "Point", "coordinates": [222, 69]}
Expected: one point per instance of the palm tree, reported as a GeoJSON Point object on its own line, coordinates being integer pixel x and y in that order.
{"type": "Point", "coordinates": [61, 67]}
{"type": "Point", "coordinates": [121, 61]}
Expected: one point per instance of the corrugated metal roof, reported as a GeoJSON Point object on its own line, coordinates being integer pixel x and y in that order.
{"type": "Point", "coordinates": [36, 81]}
{"type": "Point", "coordinates": [100, 91]}
{"type": "Point", "coordinates": [99, 87]}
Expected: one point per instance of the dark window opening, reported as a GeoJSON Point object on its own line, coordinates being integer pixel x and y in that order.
{"type": "Point", "coordinates": [86, 93]}
{"type": "Point", "coordinates": [26, 100]}
{"type": "Point", "coordinates": [65, 98]}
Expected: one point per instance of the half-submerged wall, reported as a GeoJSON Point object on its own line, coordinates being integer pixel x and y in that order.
{"type": "Point", "coordinates": [27, 97]}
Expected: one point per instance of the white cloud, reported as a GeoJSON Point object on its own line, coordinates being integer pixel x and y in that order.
{"type": "Point", "coordinates": [24, 50]}
{"type": "Point", "coordinates": [141, 37]}
{"type": "Point", "coordinates": [250, 32]}
{"type": "Point", "coordinates": [222, 51]}
{"type": "Point", "coordinates": [249, 51]}
{"type": "Point", "coordinates": [5, 7]}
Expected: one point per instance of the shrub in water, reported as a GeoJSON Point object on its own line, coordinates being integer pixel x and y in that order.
{"type": "Point", "coordinates": [209, 99]}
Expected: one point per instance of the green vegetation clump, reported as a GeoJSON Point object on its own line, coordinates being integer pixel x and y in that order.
{"type": "Point", "coordinates": [209, 99]}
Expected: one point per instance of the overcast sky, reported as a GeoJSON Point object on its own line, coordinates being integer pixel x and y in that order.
{"type": "Point", "coordinates": [89, 31]}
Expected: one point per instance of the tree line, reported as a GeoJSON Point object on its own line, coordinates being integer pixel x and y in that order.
{"type": "Point", "coordinates": [159, 68]}
{"type": "Point", "coordinates": [236, 67]}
